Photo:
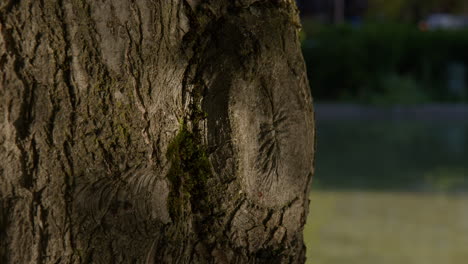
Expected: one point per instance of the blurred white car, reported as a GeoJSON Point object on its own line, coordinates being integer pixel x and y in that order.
{"type": "Point", "coordinates": [444, 21]}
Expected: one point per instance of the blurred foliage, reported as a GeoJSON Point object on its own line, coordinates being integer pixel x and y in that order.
{"type": "Point", "coordinates": [398, 89]}
{"type": "Point", "coordinates": [446, 179]}
{"type": "Point", "coordinates": [381, 59]}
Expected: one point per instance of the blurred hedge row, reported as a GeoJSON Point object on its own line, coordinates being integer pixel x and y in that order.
{"type": "Point", "coordinates": [385, 63]}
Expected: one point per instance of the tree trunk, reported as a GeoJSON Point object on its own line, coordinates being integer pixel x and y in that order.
{"type": "Point", "coordinates": [151, 131]}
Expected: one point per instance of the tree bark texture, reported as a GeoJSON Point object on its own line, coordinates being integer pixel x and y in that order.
{"type": "Point", "coordinates": [151, 131]}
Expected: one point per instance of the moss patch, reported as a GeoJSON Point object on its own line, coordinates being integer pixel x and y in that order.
{"type": "Point", "coordinates": [189, 172]}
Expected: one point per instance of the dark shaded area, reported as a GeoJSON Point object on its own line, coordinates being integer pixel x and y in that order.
{"type": "Point", "coordinates": [386, 52]}
{"type": "Point", "coordinates": [324, 10]}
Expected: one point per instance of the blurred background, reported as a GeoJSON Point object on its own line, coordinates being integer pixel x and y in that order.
{"type": "Point", "coordinates": [390, 87]}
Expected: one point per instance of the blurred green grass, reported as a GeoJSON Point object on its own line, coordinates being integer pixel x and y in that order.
{"type": "Point", "coordinates": [386, 227]}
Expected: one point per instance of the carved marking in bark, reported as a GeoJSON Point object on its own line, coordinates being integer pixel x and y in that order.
{"type": "Point", "coordinates": [271, 131]}
{"type": "Point", "coordinates": [267, 109]}
{"type": "Point", "coordinates": [274, 164]}
{"type": "Point", "coordinates": [138, 192]}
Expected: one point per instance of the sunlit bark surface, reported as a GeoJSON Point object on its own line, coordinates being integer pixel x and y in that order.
{"type": "Point", "coordinates": [153, 132]}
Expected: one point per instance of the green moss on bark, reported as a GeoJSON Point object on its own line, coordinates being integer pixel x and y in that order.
{"type": "Point", "coordinates": [189, 172]}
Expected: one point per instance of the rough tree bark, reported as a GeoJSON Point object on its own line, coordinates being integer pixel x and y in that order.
{"type": "Point", "coordinates": [153, 131]}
